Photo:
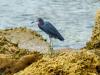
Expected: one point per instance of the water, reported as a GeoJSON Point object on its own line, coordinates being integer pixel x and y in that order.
{"type": "Point", "coordinates": [73, 18]}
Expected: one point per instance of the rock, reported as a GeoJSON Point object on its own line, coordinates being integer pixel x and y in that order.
{"type": "Point", "coordinates": [23, 62]}
{"type": "Point", "coordinates": [27, 39]}
{"type": "Point", "coordinates": [94, 43]}
{"type": "Point", "coordinates": [14, 59]}
{"type": "Point", "coordinates": [5, 61]}
{"type": "Point", "coordinates": [65, 63]}
{"type": "Point", "coordinates": [98, 69]}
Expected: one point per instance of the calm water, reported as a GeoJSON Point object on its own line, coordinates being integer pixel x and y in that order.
{"type": "Point", "coordinates": [73, 18]}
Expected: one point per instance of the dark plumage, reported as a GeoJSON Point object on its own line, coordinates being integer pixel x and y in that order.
{"type": "Point", "coordinates": [48, 28]}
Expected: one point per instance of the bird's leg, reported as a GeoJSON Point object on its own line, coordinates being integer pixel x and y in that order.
{"type": "Point", "coordinates": [51, 45]}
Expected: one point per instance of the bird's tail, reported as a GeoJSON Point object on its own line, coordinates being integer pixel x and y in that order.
{"type": "Point", "coordinates": [60, 37]}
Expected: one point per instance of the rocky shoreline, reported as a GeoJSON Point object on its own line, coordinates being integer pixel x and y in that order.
{"type": "Point", "coordinates": [24, 52]}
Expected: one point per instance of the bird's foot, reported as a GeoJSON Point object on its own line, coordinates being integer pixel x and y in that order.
{"type": "Point", "coordinates": [51, 51]}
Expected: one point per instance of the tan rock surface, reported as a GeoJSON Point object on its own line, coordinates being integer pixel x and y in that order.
{"type": "Point", "coordinates": [14, 59]}
{"type": "Point", "coordinates": [65, 63]}
{"type": "Point", "coordinates": [95, 39]}
{"type": "Point", "coordinates": [27, 39]}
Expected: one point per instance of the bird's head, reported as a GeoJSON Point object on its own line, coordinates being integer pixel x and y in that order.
{"type": "Point", "coordinates": [40, 21]}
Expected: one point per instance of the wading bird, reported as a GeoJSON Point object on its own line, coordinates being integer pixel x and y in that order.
{"type": "Point", "coordinates": [49, 29]}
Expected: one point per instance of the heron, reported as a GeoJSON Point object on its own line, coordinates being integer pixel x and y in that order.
{"type": "Point", "coordinates": [49, 29]}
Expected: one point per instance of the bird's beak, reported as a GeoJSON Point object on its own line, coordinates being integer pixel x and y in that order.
{"type": "Point", "coordinates": [32, 22]}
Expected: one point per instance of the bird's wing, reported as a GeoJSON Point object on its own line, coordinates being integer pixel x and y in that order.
{"type": "Point", "coordinates": [51, 30]}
